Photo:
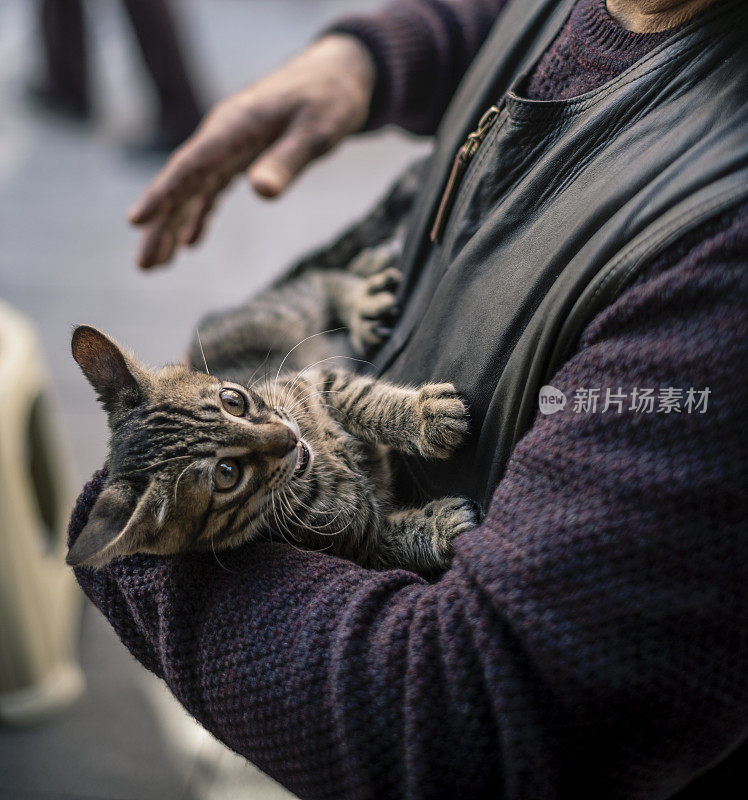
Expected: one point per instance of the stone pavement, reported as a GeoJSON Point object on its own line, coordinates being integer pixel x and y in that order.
{"type": "Point", "coordinates": [66, 256]}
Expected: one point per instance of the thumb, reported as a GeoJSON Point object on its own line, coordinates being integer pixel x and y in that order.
{"type": "Point", "coordinates": [280, 164]}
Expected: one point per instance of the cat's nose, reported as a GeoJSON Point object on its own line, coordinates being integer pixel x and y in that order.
{"type": "Point", "coordinates": [293, 440]}
{"type": "Point", "coordinates": [274, 439]}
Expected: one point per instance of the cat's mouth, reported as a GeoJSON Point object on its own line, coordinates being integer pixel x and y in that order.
{"type": "Point", "coordinates": [304, 460]}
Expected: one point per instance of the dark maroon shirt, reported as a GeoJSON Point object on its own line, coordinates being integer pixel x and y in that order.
{"type": "Point", "coordinates": [591, 636]}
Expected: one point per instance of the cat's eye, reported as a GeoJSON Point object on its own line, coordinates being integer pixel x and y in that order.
{"type": "Point", "coordinates": [234, 402]}
{"type": "Point", "coordinates": [226, 474]}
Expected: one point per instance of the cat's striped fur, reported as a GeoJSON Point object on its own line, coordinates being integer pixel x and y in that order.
{"type": "Point", "coordinates": [299, 453]}
{"type": "Point", "coordinates": [311, 453]}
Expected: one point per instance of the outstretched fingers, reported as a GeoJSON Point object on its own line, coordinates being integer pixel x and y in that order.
{"type": "Point", "coordinates": [304, 140]}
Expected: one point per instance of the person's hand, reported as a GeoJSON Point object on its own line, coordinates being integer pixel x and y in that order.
{"type": "Point", "coordinates": [274, 128]}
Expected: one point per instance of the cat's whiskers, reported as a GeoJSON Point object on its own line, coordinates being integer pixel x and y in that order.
{"type": "Point", "coordinates": [262, 378]}
{"type": "Point", "coordinates": [286, 502]}
{"type": "Point", "coordinates": [259, 366]}
{"type": "Point", "coordinates": [268, 387]}
{"type": "Point", "coordinates": [289, 511]}
{"type": "Point", "coordinates": [322, 361]}
{"type": "Point", "coordinates": [314, 392]}
{"type": "Point", "coordinates": [215, 555]}
{"type": "Point", "coordinates": [282, 526]}
{"type": "Point", "coordinates": [179, 478]}
{"type": "Point", "coordinates": [319, 529]}
{"type": "Point", "coordinates": [298, 344]}
{"type": "Point", "coordinates": [200, 342]}
{"type": "Point", "coordinates": [157, 464]}
{"type": "Point", "coordinates": [279, 520]}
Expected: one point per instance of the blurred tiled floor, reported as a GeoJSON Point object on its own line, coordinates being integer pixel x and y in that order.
{"type": "Point", "coordinates": [66, 256]}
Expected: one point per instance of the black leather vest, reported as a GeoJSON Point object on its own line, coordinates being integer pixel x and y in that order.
{"type": "Point", "coordinates": [561, 206]}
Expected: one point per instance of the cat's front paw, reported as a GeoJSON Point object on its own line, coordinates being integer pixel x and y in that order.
{"type": "Point", "coordinates": [376, 259]}
{"type": "Point", "coordinates": [374, 310]}
{"type": "Point", "coordinates": [450, 517]}
{"type": "Point", "coordinates": [443, 420]}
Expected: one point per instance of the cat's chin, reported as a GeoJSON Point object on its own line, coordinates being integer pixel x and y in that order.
{"type": "Point", "coordinates": [304, 461]}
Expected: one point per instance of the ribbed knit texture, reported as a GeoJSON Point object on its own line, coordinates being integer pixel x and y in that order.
{"type": "Point", "coordinates": [590, 639]}
{"type": "Point", "coordinates": [591, 49]}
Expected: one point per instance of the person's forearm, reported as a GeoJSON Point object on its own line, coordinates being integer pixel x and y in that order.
{"type": "Point", "coordinates": [209, 629]}
{"type": "Point", "coordinates": [421, 49]}
{"type": "Point", "coordinates": [589, 638]}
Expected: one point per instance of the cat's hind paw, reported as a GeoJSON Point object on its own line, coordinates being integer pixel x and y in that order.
{"type": "Point", "coordinates": [443, 420]}
{"type": "Point", "coordinates": [450, 517]}
{"type": "Point", "coordinates": [375, 310]}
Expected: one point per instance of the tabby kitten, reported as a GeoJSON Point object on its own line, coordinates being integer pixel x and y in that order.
{"type": "Point", "coordinates": [197, 462]}
{"type": "Point", "coordinates": [299, 453]}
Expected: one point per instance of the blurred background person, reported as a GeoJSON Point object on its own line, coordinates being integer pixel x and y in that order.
{"type": "Point", "coordinates": [65, 86]}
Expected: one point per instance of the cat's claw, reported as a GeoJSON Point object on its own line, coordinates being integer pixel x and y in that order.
{"type": "Point", "coordinates": [450, 516]}
{"type": "Point", "coordinates": [444, 420]}
{"type": "Point", "coordinates": [375, 310]}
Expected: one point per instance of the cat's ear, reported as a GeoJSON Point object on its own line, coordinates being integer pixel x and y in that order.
{"type": "Point", "coordinates": [107, 368]}
{"type": "Point", "coordinates": [100, 539]}
{"type": "Point", "coordinates": [122, 523]}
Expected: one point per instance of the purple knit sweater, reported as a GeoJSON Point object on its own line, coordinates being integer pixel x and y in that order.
{"type": "Point", "coordinates": [591, 636]}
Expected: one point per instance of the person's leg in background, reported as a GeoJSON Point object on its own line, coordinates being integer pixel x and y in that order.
{"type": "Point", "coordinates": [158, 38]}
{"type": "Point", "coordinates": [64, 88]}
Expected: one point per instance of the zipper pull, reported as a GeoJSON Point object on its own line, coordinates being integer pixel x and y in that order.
{"type": "Point", "coordinates": [459, 167]}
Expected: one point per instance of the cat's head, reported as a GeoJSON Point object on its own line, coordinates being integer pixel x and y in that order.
{"type": "Point", "coordinates": [193, 461]}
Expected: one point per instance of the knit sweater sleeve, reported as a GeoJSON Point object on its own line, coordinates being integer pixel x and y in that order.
{"type": "Point", "coordinates": [421, 49]}
{"type": "Point", "coordinates": [588, 640]}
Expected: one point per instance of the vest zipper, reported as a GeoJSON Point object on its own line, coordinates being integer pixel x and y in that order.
{"type": "Point", "coordinates": [459, 167]}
